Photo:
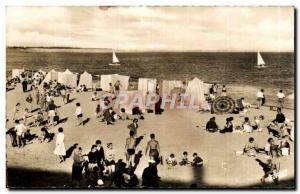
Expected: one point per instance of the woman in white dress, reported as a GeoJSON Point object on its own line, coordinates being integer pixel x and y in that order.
{"type": "Point", "coordinates": [60, 149]}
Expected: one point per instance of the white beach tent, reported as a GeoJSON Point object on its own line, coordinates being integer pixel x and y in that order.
{"type": "Point", "coordinates": [146, 85]}
{"type": "Point", "coordinates": [106, 79]}
{"type": "Point", "coordinates": [195, 89]}
{"type": "Point", "coordinates": [51, 76]}
{"type": "Point", "coordinates": [16, 72]}
{"type": "Point", "coordinates": [86, 79]}
{"type": "Point", "coordinates": [168, 86]}
{"type": "Point", "coordinates": [69, 79]}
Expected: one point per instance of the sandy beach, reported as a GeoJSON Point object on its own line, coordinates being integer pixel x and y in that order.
{"type": "Point", "coordinates": [176, 131]}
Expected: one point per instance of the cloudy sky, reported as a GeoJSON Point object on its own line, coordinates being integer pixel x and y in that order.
{"type": "Point", "coordinates": [153, 28]}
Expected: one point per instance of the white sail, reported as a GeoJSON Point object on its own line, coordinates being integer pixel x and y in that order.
{"type": "Point", "coordinates": [114, 58]}
{"type": "Point", "coordinates": [260, 61]}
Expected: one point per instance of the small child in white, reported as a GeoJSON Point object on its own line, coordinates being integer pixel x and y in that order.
{"type": "Point", "coordinates": [171, 160]}
{"type": "Point", "coordinates": [78, 113]}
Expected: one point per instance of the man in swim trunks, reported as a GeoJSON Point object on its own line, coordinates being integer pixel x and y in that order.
{"type": "Point", "coordinates": [153, 145]}
{"type": "Point", "coordinates": [130, 148]}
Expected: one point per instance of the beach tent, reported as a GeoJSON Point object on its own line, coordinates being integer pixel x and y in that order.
{"type": "Point", "coordinates": [106, 79]}
{"type": "Point", "coordinates": [68, 78]}
{"type": "Point", "coordinates": [17, 72]}
{"type": "Point", "coordinates": [168, 86]}
{"type": "Point", "coordinates": [86, 79]}
{"type": "Point", "coordinates": [146, 85]}
{"type": "Point", "coordinates": [51, 76]}
{"type": "Point", "coordinates": [195, 89]}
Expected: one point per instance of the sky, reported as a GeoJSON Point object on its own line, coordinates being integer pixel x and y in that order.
{"type": "Point", "coordinates": [153, 28]}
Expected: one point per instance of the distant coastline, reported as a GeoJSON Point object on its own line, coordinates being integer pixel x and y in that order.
{"type": "Point", "coordinates": [109, 50]}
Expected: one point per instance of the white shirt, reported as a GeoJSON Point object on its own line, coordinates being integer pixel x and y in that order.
{"type": "Point", "coordinates": [259, 94]}
{"type": "Point", "coordinates": [78, 111]}
{"type": "Point", "coordinates": [280, 95]}
{"type": "Point", "coordinates": [20, 128]}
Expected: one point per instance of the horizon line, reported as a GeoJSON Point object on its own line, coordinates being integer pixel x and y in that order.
{"type": "Point", "coordinates": [138, 50]}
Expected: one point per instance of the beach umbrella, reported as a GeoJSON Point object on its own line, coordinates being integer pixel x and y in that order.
{"type": "Point", "coordinates": [223, 105]}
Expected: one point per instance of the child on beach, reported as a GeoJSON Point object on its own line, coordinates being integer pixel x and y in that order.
{"type": "Point", "coordinates": [94, 96]}
{"type": "Point", "coordinates": [171, 161]}
{"type": "Point", "coordinates": [224, 91]}
{"type": "Point", "coordinates": [98, 111]}
{"type": "Point", "coordinates": [247, 125]}
{"type": "Point", "coordinates": [78, 114]}
{"type": "Point", "coordinates": [197, 161]}
{"type": "Point", "coordinates": [25, 116]}
{"type": "Point", "coordinates": [251, 148]}
{"type": "Point", "coordinates": [185, 161]}
{"type": "Point", "coordinates": [110, 159]}
{"type": "Point", "coordinates": [257, 123]}
{"type": "Point", "coordinates": [280, 96]}
{"type": "Point", "coordinates": [259, 98]}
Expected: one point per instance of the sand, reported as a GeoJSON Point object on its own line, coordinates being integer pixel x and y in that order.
{"type": "Point", "coordinates": [176, 131]}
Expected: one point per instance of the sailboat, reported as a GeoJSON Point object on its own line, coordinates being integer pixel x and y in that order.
{"type": "Point", "coordinates": [115, 60]}
{"type": "Point", "coordinates": [260, 61]}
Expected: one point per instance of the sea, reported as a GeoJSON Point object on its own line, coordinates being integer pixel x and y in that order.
{"type": "Point", "coordinates": [229, 68]}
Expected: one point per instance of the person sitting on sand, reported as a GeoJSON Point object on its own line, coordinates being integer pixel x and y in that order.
{"type": "Point", "coordinates": [110, 159]}
{"type": "Point", "coordinates": [171, 160]}
{"type": "Point", "coordinates": [46, 134]}
{"type": "Point", "coordinates": [130, 148]}
{"type": "Point", "coordinates": [247, 127]}
{"type": "Point", "coordinates": [185, 161]}
{"type": "Point", "coordinates": [257, 123]}
{"type": "Point", "coordinates": [251, 148]}
{"type": "Point", "coordinates": [211, 125]}
{"type": "Point", "coordinates": [284, 146]}
{"type": "Point", "coordinates": [78, 114]}
{"type": "Point", "coordinates": [280, 98]}
{"type": "Point", "coordinates": [228, 126]}
{"type": "Point", "coordinates": [150, 178]}
{"type": "Point", "coordinates": [197, 161]}
{"type": "Point", "coordinates": [123, 114]}
{"type": "Point", "coordinates": [94, 96]}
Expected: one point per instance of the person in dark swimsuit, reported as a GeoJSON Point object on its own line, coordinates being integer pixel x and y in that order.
{"type": "Point", "coordinates": [153, 147]}
{"type": "Point", "coordinates": [130, 149]}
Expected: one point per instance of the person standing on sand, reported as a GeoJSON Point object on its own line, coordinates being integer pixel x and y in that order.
{"type": "Point", "coordinates": [133, 126]}
{"type": "Point", "coordinates": [259, 98]}
{"type": "Point", "coordinates": [77, 166]}
{"type": "Point", "coordinates": [117, 87]}
{"type": "Point", "coordinates": [37, 95]}
{"type": "Point", "coordinates": [130, 149]}
{"type": "Point", "coordinates": [153, 146]}
{"type": "Point", "coordinates": [29, 103]}
{"type": "Point", "coordinates": [60, 149]}
{"type": "Point", "coordinates": [20, 129]}
{"type": "Point", "coordinates": [224, 91]}
{"type": "Point", "coordinates": [51, 112]}
{"type": "Point", "coordinates": [16, 112]}
{"type": "Point", "coordinates": [280, 96]}
{"type": "Point", "coordinates": [78, 113]}
{"type": "Point", "coordinates": [111, 88]}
